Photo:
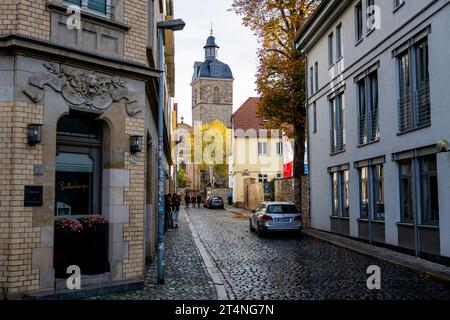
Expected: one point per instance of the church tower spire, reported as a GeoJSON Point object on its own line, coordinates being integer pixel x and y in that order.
{"type": "Point", "coordinates": [211, 48]}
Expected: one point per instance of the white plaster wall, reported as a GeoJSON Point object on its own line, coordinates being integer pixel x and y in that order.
{"type": "Point", "coordinates": [378, 47]}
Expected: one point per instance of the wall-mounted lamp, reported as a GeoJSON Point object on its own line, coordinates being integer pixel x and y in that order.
{"type": "Point", "coordinates": [136, 144]}
{"type": "Point", "coordinates": [443, 146]}
{"type": "Point", "coordinates": [34, 133]}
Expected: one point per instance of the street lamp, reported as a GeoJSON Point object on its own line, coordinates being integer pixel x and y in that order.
{"type": "Point", "coordinates": [174, 25]}
{"type": "Point", "coordinates": [443, 146]}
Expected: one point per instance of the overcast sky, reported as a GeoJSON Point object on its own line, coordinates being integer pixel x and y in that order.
{"type": "Point", "coordinates": [237, 44]}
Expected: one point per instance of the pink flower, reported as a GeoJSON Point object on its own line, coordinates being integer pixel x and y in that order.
{"type": "Point", "coordinates": [68, 225]}
{"type": "Point", "coordinates": [94, 223]}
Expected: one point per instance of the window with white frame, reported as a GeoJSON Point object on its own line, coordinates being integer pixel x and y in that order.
{"type": "Point", "coordinates": [279, 148]}
{"type": "Point", "coordinates": [98, 6]}
{"type": "Point", "coordinates": [262, 148]}
{"type": "Point", "coordinates": [263, 177]}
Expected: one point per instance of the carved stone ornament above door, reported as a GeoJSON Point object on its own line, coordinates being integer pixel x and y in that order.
{"type": "Point", "coordinates": [85, 89]}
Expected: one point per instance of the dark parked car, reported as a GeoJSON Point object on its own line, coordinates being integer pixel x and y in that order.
{"type": "Point", "coordinates": [214, 202]}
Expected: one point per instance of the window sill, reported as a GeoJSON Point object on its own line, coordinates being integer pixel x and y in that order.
{"type": "Point", "coordinates": [428, 226]}
{"type": "Point", "coordinates": [420, 226]}
{"type": "Point", "coordinates": [374, 220]}
{"type": "Point", "coordinates": [331, 67]}
{"type": "Point", "coordinates": [337, 153]}
{"type": "Point", "coordinates": [339, 59]}
{"type": "Point", "coordinates": [398, 7]}
{"type": "Point", "coordinates": [90, 15]}
{"type": "Point", "coordinates": [368, 143]}
{"type": "Point", "coordinates": [369, 32]}
{"type": "Point", "coordinates": [358, 42]}
{"type": "Point", "coordinates": [341, 218]}
{"type": "Point", "coordinates": [413, 129]}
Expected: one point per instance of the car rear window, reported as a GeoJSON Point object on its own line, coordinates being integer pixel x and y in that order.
{"type": "Point", "coordinates": [285, 208]}
{"type": "Point", "coordinates": [216, 198]}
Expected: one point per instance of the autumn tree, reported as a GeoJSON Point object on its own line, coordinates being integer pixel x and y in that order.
{"type": "Point", "coordinates": [281, 77]}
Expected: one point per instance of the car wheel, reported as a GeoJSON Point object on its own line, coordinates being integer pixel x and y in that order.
{"type": "Point", "coordinates": [259, 232]}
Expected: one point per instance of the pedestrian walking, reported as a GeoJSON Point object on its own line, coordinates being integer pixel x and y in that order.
{"type": "Point", "coordinates": [193, 200]}
{"type": "Point", "coordinates": [230, 197]}
{"type": "Point", "coordinates": [175, 209]}
{"type": "Point", "coordinates": [187, 199]}
{"type": "Point", "coordinates": [199, 200]}
{"type": "Point", "coordinates": [167, 213]}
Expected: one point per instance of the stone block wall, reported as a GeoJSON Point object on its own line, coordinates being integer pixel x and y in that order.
{"type": "Point", "coordinates": [134, 198]}
{"type": "Point", "coordinates": [21, 254]}
{"type": "Point", "coordinates": [205, 109]}
{"type": "Point", "coordinates": [285, 190]}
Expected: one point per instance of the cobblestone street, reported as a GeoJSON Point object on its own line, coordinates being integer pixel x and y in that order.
{"type": "Point", "coordinates": [285, 267]}
{"type": "Point", "coordinates": [275, 267]}
{"type": "Point", "coordinates": [186, 277]}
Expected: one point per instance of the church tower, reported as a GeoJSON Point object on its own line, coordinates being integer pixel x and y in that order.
{"type": "Point", "coordinates": [212, 87]}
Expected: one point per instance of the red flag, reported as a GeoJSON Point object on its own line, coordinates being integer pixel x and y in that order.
{"type": "Point", "coordinates": [288, 158]}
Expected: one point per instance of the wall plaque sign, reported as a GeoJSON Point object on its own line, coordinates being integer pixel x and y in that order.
{"type": "Point", "coordinates": [33, 196]}
{"type": "Point", "coordinates": [38, 170]}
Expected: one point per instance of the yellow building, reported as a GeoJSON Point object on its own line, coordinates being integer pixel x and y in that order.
{"type": "Point", "coordinates": [257, 152]}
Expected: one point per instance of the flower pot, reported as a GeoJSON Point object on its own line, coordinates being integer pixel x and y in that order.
{"type": "Point", "coordinates": [67, 252]}
{"type": "Point", "coordinates": [95, 252]}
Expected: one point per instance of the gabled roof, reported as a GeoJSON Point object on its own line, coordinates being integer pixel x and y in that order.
{"type": "Point", "coordinates": [246, 116]}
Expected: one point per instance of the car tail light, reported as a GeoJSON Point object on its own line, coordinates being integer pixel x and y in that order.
{"type": "Point", "coordinates": [266, 218]}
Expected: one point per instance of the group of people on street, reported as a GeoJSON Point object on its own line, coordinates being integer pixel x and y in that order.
{"type": "Point", "coordinates": [192, 200]}
{"type": "Point", "coordinates": [172, 205]}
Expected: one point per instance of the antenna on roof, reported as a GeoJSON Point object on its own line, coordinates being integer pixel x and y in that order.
{"type": "Point", "coordinates": [212, 28]}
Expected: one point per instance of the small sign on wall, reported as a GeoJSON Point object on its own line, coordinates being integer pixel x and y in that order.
{"type": "Point", "coordinates": [33, 196]}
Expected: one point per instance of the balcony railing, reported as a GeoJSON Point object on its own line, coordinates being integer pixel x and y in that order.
{"type": "Point", "coordinates": [337, 140]}
{"type": "Point", "coordinates": [405, 116]}
{"type": "Point", "coordinates": [369, 132]}
{"type": "Point", "coordinates": [423, 106]}
{"type": "Point", "coordinates": [416, 113]}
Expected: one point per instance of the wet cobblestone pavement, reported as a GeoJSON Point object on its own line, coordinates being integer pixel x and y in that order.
{"type": "Point", "coordinates": [286, 267]}
{"type": "Point", "coordinates": [277, 267]}
{"type": "Point", "coordinates": [186, 277]}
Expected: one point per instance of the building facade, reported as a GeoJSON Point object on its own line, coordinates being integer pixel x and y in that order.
{"type": "Point", "coordinates": [257, 152]}
{"type": "Point", "coordinates": [78, 133]}
{"type": "Point", "coordinates": [212, 87]}
{"type": "Point", "coordinates": [377, 105]}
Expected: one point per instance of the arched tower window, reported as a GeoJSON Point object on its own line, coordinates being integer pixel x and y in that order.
{"type": "Point", "coordinates": [216, 95]}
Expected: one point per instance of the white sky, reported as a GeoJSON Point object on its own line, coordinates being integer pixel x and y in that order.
{"type": "Point", "coordinates": [238, 48]}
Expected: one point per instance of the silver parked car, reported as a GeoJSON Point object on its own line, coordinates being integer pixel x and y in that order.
{"type": "Point", "coordinates": [276, 217]}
